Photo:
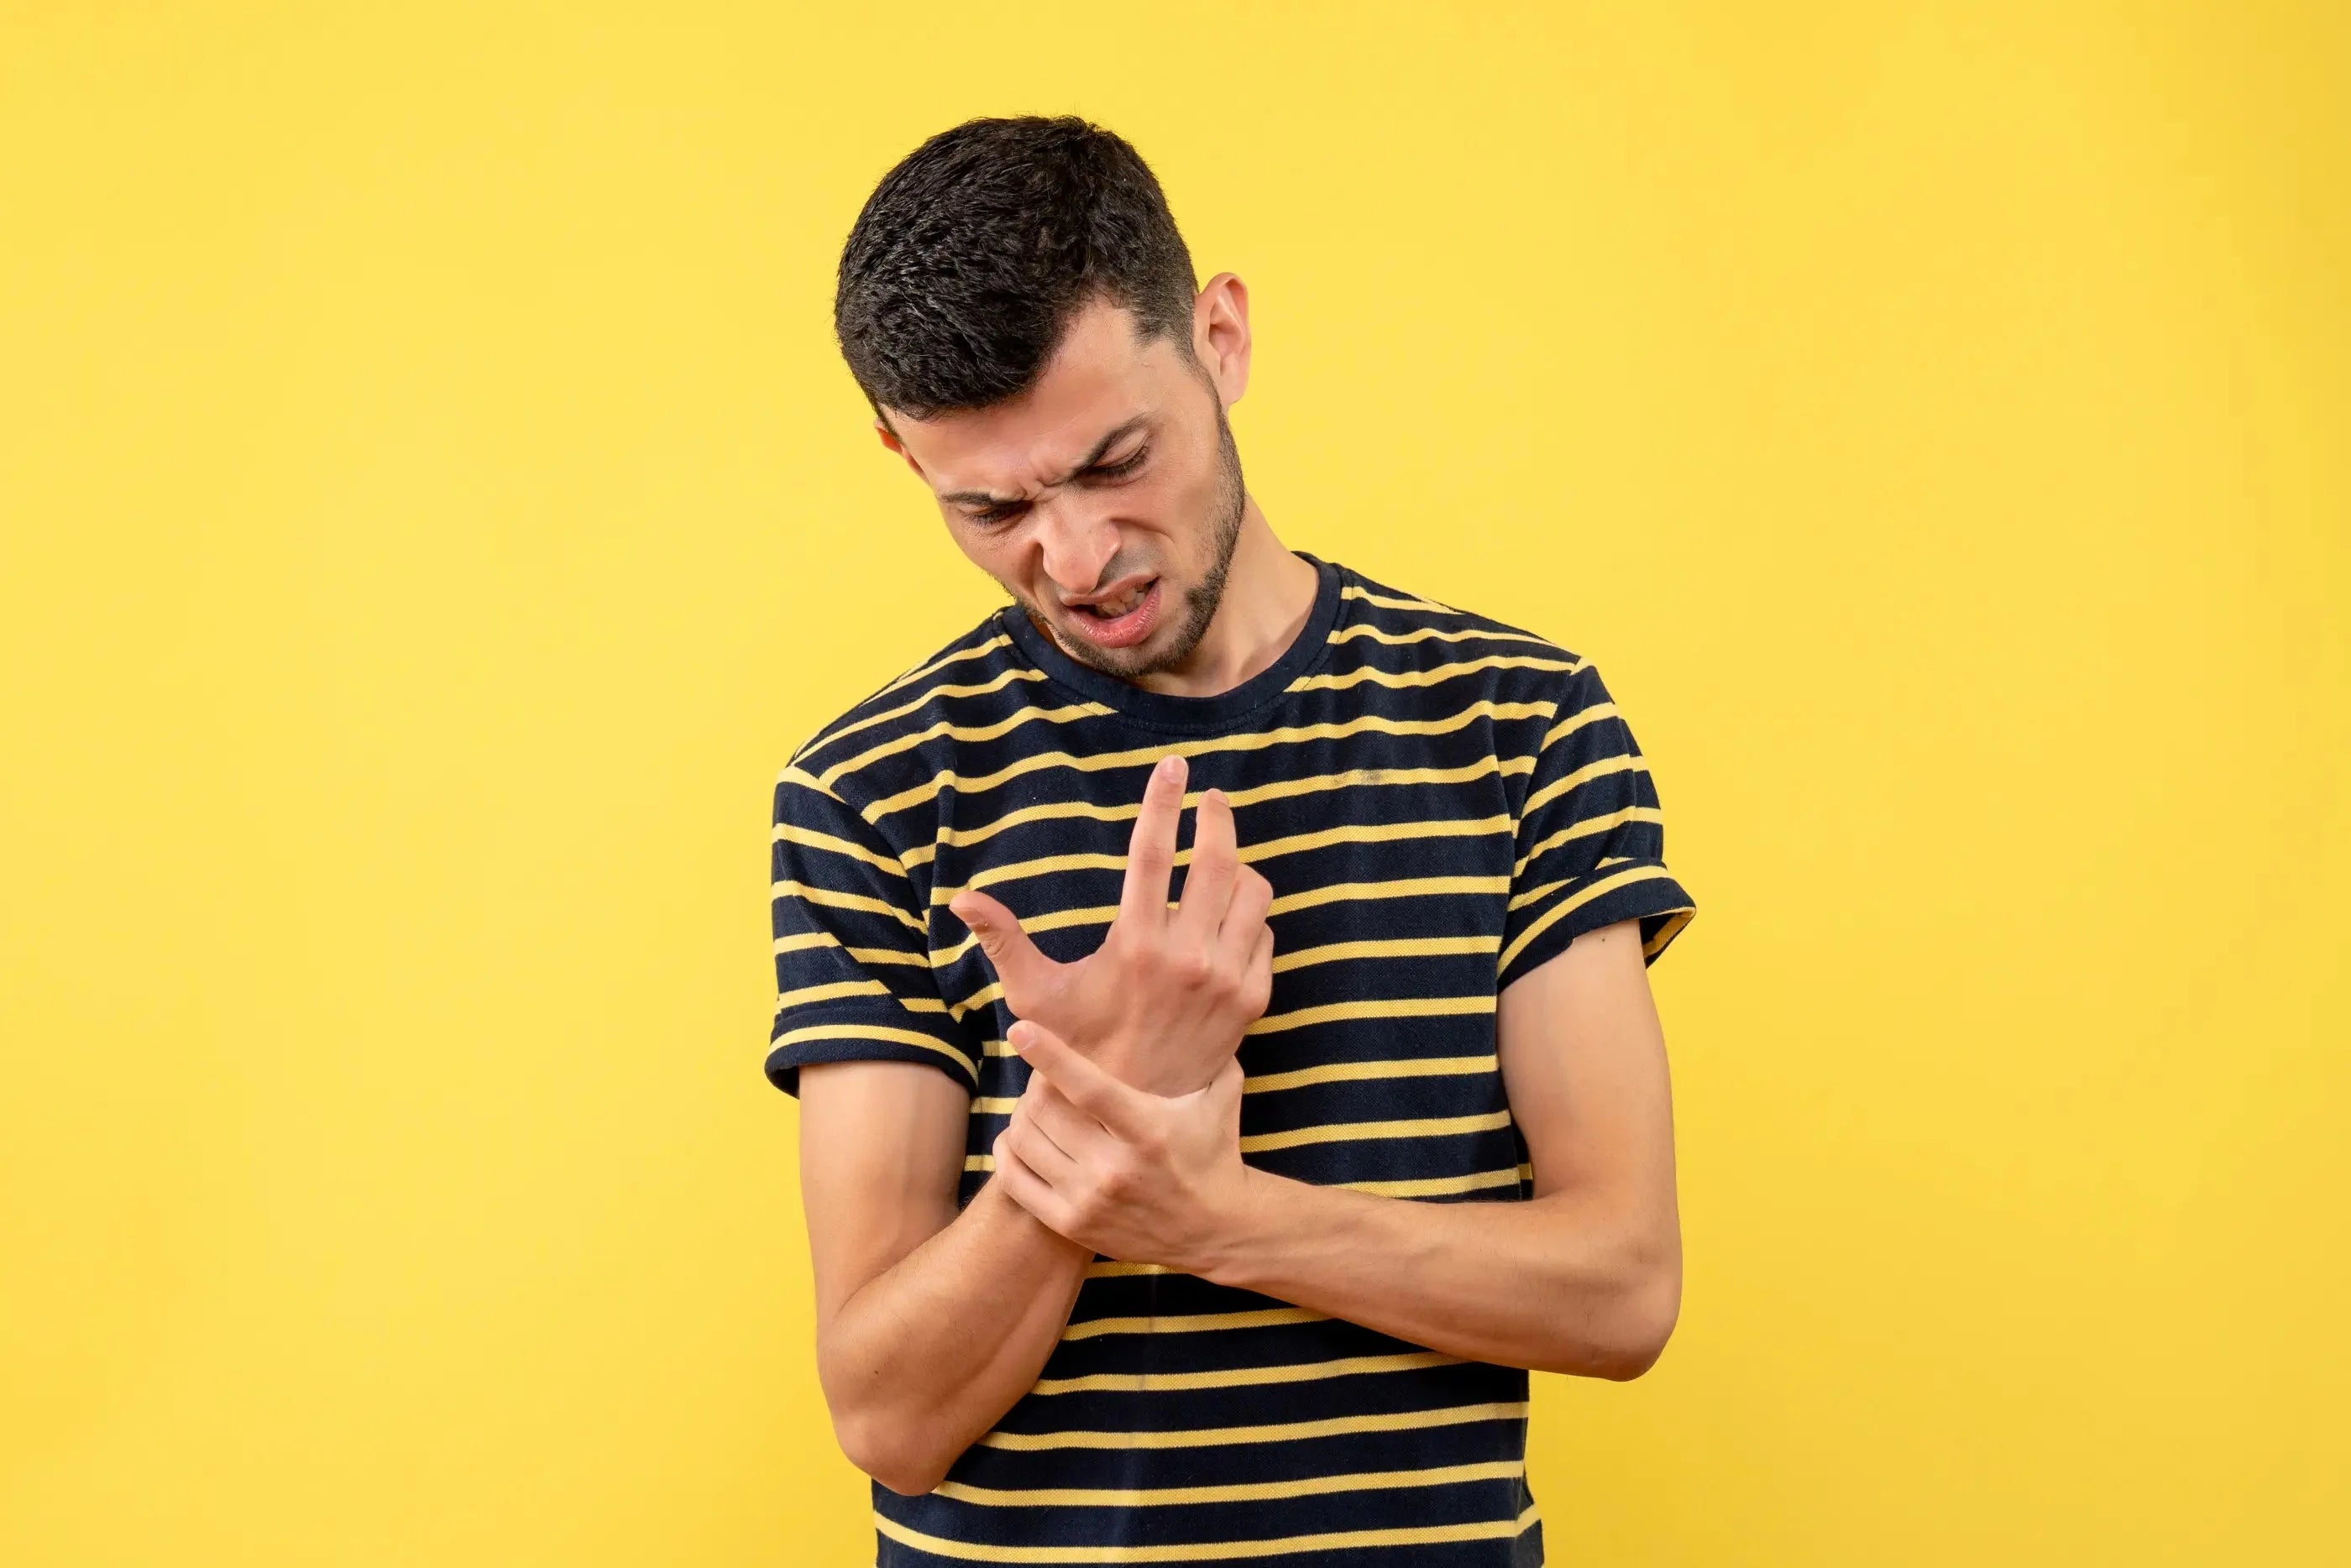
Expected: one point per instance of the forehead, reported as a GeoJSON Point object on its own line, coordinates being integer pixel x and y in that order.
{"type": "Point", "coordinates": [1099, 377]}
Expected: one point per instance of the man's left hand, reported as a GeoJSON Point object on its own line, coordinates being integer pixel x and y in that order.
{"type": "Point", "coordinates": [1142, 1177]}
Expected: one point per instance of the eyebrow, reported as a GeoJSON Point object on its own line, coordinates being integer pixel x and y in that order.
{"type": "Point", "coordinates": [1092, 460]}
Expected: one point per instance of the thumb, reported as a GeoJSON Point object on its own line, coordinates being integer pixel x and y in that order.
{"type": "Point", "coordinates": [1017, 961]}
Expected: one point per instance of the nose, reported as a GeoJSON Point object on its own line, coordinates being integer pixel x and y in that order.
{"type": "Point", "coordinates": [1078, 541]}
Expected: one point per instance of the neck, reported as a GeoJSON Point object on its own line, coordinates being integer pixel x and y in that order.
{"type": "Point", "coordinates": [1269, 594]}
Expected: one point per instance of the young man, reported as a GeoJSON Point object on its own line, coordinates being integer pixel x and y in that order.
{"type": "Point", "coordinates": [1222, 1229]}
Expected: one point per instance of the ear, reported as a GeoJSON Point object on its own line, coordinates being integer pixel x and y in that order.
{"type": "Point", "coordinates": [889, 439]}
{"type": "Point", "coordinates": [1220, 335]}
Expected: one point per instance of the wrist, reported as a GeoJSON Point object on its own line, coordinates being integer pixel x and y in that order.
{"type": "Point", "coordinates": [1026, 1230]}
{"type": "Point", "coordinates": [1242, 1227]}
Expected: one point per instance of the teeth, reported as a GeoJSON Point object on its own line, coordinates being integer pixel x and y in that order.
{"type": "Point", "coordinates": [1112, 609]}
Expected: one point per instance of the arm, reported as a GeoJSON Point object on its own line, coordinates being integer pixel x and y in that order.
{"type": "Point", "coordinates": [930, 1324]}
{"type": "Point", "coordinates": [1585, 1278]}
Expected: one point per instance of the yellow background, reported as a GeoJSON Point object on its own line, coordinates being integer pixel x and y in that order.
{"type": "Point", "coordinates": [433, 508]}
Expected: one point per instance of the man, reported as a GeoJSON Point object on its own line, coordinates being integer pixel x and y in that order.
{"type": "Point", "coordinates": [1222, 1229]}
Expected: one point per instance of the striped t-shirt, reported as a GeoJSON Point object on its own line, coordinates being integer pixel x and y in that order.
{"type": "Point", "coordinates": [1441, 802]}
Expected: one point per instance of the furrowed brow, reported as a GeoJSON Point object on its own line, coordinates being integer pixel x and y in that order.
{"type": "Point", "coordinates": [1092, 459]}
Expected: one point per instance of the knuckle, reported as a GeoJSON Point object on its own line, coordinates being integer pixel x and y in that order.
{"type": "Point", "coordinates": [1256, 992]}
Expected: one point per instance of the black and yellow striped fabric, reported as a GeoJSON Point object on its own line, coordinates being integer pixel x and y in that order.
{"type": "Point", "coordinates": [1441, 802]}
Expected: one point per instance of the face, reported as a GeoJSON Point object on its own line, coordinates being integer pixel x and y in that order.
{"type": "Point", "coordinates": [1106, 499]}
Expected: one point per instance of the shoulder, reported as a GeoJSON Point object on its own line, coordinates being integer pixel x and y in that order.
{"type": "Point", "coordinates": [942, 686]}
{"type": "Point", "coordinates": [1383, 628]}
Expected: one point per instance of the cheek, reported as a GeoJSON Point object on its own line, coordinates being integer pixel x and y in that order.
{"type": "Point", "coordinates": [994, 554]}
{"type": "Point", "coordinates": [1180, 506]}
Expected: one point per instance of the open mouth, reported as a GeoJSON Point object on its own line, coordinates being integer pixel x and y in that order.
{"type": "Point", "coordinates": [1119, 622]}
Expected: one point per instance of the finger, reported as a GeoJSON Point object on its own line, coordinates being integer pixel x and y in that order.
{"type": "Point", "coordinates": [1029, 1190]}
{"type": "Point", "coordinates": [1228, 1082]}
{"type": "Point", "coordinates": [1019, 962]}
{"type": "Point", "coordinates": [1150, 847]}
{"type": "Point", "coordinates": [1079, 1081]}
{"type": "Point", "coordinates": [1037, 1149]}
{"type": "Point", "coordinates": [1073, 1132]}
{"type": "Point", "coordinates": [1208, 881]}
{"type": "Point", "coordinates": [1224, 1093]}
{"type": "Point", "coordinates": [1256, 978]}
{"type": "Point", "coordinates": [1244, 922]}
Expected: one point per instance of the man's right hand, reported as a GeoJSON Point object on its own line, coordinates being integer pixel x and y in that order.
{"type": "Point", "coordinates": [1163, 1003]}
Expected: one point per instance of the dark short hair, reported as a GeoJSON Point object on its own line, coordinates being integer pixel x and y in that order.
{"type": "Point", "coordinates": [971, 257]}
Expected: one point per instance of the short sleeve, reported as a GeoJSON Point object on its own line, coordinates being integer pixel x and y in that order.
{"type": "Point", "coordinates": [854, 976]}
{"type": "Point", "coordinates": [1591, 847]}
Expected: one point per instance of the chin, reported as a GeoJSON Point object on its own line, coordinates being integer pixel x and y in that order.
{"type": "Point", "coordinates": [1166, 645]}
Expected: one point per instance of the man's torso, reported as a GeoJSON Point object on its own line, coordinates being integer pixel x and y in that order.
{"type": "Point", "coordinates": [1377, 773]}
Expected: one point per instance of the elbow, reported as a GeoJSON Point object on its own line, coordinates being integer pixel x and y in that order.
{"type": "Point", "coordinates": [1629, 1354]}
{"type": "Point", "coordinates": [903, 1455]}
{"type": "Point", "coordinates": [1638, 1330]}
{"type": "Point", "coordinates": [1627, 1324]}
{"type": "Point", "coordinates": [884, 1434]}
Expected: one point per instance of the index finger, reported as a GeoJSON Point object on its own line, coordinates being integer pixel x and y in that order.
{"type": "Point", "coordinates": [1150, 847]}
{"type": "Point", "coordinates": [1074, 1078]}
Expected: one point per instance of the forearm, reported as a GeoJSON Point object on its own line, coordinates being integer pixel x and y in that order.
{"type": "Point", "coordinates": [1574, 1282]}
{"type": "Point", "coordinates": [928, 1355]}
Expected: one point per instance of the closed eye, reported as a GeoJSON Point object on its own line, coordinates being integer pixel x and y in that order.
{"type": "Point", "coordinates": [1100, 473]}
{"type": "Point", "coordinates": [1118, 470]}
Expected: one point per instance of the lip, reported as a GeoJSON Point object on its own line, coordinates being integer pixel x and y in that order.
{"type": "Point", "coordinates": [1127, 630]}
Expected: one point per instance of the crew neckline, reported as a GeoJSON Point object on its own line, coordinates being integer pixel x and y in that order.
{"type": "Point", "coordinates": [1165, 710]}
